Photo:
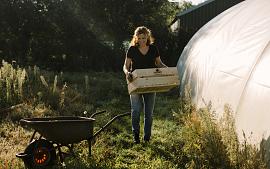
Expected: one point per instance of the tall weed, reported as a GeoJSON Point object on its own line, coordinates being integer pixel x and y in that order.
{"type": "Point", "coordinates": [208, 142]}
{"type": "Point", "coordinates": [12, 82]}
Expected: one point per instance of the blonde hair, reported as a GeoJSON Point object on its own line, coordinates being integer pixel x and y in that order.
{"type": "Point", "coordinates": [142, 30]}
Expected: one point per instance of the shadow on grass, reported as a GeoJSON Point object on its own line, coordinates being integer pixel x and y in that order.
{"type": "Point", "coordinates": [78, 163]}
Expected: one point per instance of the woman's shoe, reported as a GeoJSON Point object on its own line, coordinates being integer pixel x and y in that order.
{"type": "Point", "coordinates": [146, 140]}
{"type": "Point", "coordinates": [136, 139]}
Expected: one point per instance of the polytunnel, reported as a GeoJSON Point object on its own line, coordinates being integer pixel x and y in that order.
{"type": "Point", "coordinates": [228, 62]}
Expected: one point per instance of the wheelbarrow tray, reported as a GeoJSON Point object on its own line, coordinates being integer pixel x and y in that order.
{"type": "Point", "coordinates": [62, 130]}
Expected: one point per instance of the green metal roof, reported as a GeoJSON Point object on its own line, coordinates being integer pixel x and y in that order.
{"type": "Point", "coordinates": [195, 17]}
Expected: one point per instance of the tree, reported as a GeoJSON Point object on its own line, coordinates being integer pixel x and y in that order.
{"type": "Point", "coordinates": [89, 33]}
{"type": "Point", "coordinates": [116, 20]}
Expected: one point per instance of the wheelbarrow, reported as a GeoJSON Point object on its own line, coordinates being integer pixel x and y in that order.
{"type": "Point", "coordinates": [56, 132]}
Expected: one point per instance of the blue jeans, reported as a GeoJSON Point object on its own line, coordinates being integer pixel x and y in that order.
{"type": "Point", "coordinates": [138, 102]}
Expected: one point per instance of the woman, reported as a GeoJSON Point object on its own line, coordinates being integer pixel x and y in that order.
{"type": "Point", "coordinates": [142, 54]}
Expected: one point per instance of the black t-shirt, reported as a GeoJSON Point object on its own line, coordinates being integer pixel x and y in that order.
{"type": "Point", "coordinates": [140, 61]}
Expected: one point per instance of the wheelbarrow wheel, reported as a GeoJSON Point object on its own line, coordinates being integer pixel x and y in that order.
{"type": "Point", "coordinates": [39, 154]}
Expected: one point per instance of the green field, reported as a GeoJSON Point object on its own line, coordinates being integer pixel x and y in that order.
{"type": "Point", "coordinates": [183, 137]}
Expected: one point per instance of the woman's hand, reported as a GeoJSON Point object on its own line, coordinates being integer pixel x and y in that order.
{"type": "Point", "coordinates": [126, 69]}
{"type": "Point", "coordinates": [159, 63]}
{"type": "Point", "coordinates": [129, 76]}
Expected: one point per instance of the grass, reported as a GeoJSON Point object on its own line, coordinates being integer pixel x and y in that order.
{"type": "Point", "coordinates": [110, 150]}
{"type": "Point", "coordinates": [183, 137]}
{"type": "Point", "coordinates": [13, 140]}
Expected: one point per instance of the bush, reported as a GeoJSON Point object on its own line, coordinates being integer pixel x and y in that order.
{"type": "Point", "coordinates": [207, 142]}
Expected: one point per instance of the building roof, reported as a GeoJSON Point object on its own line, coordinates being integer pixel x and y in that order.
{"type": "Point", "coordinates": [196, 16]}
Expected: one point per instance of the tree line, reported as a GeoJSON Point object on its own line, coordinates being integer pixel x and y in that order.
{"type": "Point", "coordinates": [82, 35]}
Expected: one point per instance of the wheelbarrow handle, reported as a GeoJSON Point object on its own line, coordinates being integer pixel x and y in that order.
{"type": "Point", "coordinates": [112, 120]}
{"type": "Point", "coordinates": [100, 112]}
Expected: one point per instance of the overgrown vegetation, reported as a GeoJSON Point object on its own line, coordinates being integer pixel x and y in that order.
{"type": "Point", "coordinates": [183, 137]}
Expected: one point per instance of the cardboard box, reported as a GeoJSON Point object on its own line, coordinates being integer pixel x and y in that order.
{"type": "Point", "coordinates": [153, 80]}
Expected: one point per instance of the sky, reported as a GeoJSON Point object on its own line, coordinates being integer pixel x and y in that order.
{"type": "Point", "coordinates": [194, 2]}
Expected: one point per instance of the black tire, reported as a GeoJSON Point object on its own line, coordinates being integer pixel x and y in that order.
{"type": "Point", "coordinates": [40, 154]}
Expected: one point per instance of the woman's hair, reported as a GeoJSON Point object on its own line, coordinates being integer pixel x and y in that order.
{"type": "Point", "coordinates": [142, 30]}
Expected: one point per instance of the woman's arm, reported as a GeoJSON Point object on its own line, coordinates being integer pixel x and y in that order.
{"type": "Point", "coordinates": [126, 68]}
{"type": "Point", "coordinates": [127, 65]}
{"type": "Point", "coordinates": [159, 63]}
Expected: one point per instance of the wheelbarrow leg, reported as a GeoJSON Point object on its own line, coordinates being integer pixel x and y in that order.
{"type": "Point", "coordinates": [89, 146]}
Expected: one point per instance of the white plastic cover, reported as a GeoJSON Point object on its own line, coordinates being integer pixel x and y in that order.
{"type": "Point", "coordinates": [228, 61]}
